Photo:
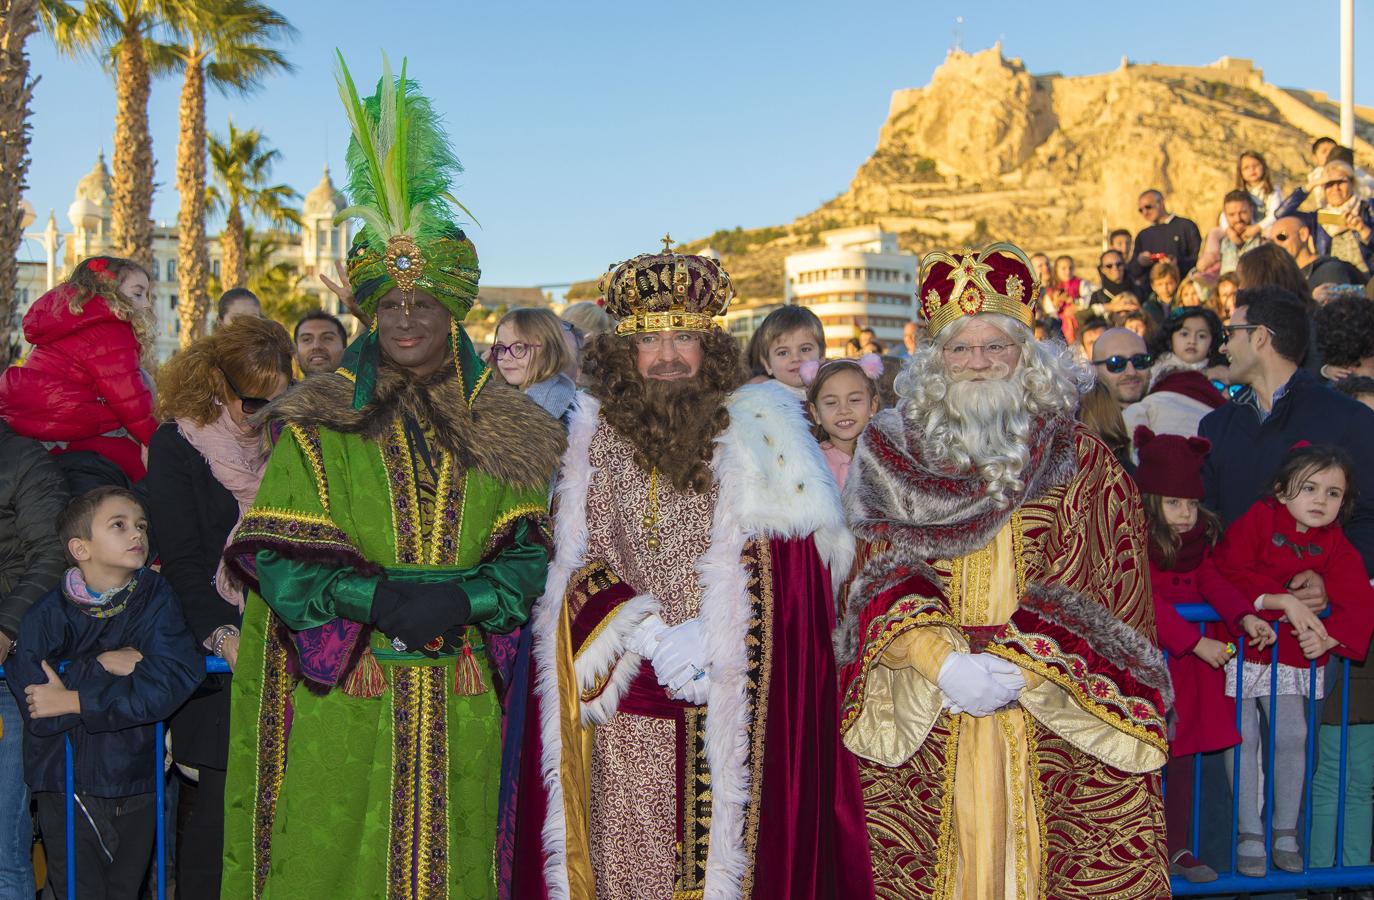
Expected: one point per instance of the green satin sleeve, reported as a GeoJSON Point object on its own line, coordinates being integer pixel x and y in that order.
{"type": "Point", "coordinates": [306, 594]}
{"type": "Point", "coordinates": [503, 589]}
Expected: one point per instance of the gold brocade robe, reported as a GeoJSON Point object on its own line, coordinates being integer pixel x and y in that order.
{"type": "Point", "coordinates": [1057, 796]}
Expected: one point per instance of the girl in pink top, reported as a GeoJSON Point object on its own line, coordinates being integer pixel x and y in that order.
{"type": "Point", "coordinates": [842, 396]}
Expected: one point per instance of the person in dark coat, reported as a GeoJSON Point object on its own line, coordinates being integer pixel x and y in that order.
{"type": "Point", "coordinates": [204, 466]}
{"type": "Point", "coordinates": [33, 494]}
{"type": "Point", "coordinates": [130, 663]}
{"type": "Point", "coordinates": [1167, 236]}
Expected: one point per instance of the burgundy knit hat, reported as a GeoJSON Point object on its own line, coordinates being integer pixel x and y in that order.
{"type": "Point", "coordinates": [1170, 464]}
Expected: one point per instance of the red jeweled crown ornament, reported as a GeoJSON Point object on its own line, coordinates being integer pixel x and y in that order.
{"type": "Point", "coordinates": [996, 278]}
{"type": "Point", "coordinates": [666, 292]}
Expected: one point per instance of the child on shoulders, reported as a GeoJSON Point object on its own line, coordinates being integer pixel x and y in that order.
{"type": "Point", "coordinates": [788, 337]}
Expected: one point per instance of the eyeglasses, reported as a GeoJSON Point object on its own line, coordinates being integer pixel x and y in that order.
{"type": "Point", "coordinates": [1107, 265]}
{"type": "Point", "coordinates": [1331, 184]}
{"type": "Point", "coordinates": [1117, 364]}
{"type": "Point", "coordinates": [517, 349]}
{"type": "Point", "coordinates": [1145, 206]}
{"type": "Point", "coordinates": [960, 353]}
{"type": "Point", "coordinates": [1229, 331]}
{"type": "Point", "coordinates": [250, 404]}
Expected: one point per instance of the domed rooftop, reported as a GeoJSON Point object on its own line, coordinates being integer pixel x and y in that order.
{"type": "Point", "coordinates": [324, 199]}
{"type": "Point", "coordinates": [94, 186]}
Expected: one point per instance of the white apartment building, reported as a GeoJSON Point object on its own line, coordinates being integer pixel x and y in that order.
{"type": "Point", "coordinates": [858, 280]}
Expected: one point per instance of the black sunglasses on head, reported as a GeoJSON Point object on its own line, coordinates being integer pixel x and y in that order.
{"type": "Point", "coordinates": [1117, 364]}
{"type": "Point", "coordinates": [250, 404]}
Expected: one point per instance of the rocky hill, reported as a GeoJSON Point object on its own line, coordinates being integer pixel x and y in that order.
{"type": "Point", "coordinates": [989, 150]}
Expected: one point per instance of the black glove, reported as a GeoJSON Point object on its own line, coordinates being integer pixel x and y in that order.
{"type": "Point", "coordinates": [415, 614]}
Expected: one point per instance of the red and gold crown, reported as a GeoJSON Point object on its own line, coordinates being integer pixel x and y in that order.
{"type": "Point", "coordinates": [997, 278]}
{"type": "Point", "coordinates": [666, 292]}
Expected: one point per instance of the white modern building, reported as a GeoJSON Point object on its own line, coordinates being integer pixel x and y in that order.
{"type": "Point", "coordinates": [312, 249]}
{"type": "Point", "coordinates": [858, 280]}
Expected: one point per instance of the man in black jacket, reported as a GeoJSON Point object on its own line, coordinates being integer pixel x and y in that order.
{"type": "Point", "coordinates": [32, 495]}
{"type": "Point", "coordinates": [1166, 236]}
{"type": "Point", "coordinates": [1281, 405]}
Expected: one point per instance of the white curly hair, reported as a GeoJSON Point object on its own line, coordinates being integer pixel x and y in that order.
{"type": "Point", "coordinates": [985, 425]}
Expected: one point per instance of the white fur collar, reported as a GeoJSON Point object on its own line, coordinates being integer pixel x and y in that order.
{"type": "Point", "coordinates": [773, 483]}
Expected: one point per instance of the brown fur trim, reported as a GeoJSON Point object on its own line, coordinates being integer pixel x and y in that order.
{"type": "Point", "coordinates": [504, 434]}
{"type": "Point", "coordinates": [1114, 640]}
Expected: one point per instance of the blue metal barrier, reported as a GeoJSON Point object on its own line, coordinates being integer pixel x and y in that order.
{"type": "Point", "coordinates": [213, 666]}
{"type": "Point", "coordinates": [1337, 875]}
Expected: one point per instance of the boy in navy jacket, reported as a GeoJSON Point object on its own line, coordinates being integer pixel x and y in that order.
{"type": "Point", "coordinates": [132, 662]}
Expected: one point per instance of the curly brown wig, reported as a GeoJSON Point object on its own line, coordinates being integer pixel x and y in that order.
{"type": "Point", "coordinates": [253, 352]}
{"type": "Point", "coordinates": [99, 276]}
{"type": "Point", "coordinates": [671, 424]}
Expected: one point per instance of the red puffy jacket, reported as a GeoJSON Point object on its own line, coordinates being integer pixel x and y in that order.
{"type": "Point", "coordinates": [82, 379]}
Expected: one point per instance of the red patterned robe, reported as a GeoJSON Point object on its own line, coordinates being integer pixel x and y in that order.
{"type": "Point", "coordinates": [1059, 795]}
{"type": "Point", "coordinates": [750, 795]}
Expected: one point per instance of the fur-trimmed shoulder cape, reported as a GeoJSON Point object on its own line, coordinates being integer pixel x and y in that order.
{"type": "Point", "coordinates": [497, 430]}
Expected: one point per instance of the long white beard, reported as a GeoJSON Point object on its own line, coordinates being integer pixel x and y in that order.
{"type": "Point", "coordinates": [982, 425]}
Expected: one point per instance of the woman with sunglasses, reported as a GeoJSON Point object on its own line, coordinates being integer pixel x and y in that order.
{"type": "Point", "coordinates": [1343, 227]}
{"type": "Point", "coordinates": [531, 354]}
{"type": "Point", "coordinates": [204, 466]}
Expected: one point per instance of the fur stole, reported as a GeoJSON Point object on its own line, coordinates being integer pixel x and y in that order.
{"type": "Point", "coordinates": [501, 433]}
{"type": "Point", "coordinates": [895, 496]}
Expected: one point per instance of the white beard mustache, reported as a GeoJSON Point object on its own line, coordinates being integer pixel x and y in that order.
{"type": "Point", "coordinates": [981, 425]}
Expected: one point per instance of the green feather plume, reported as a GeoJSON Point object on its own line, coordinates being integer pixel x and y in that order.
{"type": "Point", "coordinates": [401, 166]}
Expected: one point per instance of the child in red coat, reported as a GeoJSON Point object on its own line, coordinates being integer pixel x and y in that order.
{"type": "Point", "coordinates": [83, 386]}
{"type": "Point", "coordinates": [1182, 571]}
{"type": "Point", "coordinates": [1293, 530]}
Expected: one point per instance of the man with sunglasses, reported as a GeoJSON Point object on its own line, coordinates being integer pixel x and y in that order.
{"type": "Point", "coordinates": [1122, 364]}
{"type": "Point", "coordinates": [1166, 236]}
{"type": "Point", "coordinates": [1292, 234]}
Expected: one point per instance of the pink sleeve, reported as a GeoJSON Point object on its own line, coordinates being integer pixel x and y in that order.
{"type": "Point", "coordinates": [1352, 599]}
{"type": "Point", "coordinates": [1176, 635]}
{"type": "Point", "coordinates": [1223, 596]}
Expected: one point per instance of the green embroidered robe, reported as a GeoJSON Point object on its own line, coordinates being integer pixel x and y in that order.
{"type": "Point", "coordinates": [342, 785]}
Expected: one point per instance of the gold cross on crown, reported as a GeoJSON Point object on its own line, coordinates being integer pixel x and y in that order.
{"type": "Point", "coordinates": [667, 242]}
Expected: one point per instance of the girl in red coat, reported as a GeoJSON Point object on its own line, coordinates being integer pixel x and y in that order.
{"type": "Point", "coordinates": [83, 386]}
{"type": "Point", "coordinates": [1182, 535]}
{"type": "Point", "coordinates": [1295, 529]}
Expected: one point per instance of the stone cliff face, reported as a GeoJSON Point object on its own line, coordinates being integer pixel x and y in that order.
{"type": "Point", "coordinates": [989, 151]}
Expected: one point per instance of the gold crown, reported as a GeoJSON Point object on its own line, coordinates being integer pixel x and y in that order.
{"type": "Point", "coordinates": [666, 292]}
{"type": "Point", "coordinates": [997, 278]}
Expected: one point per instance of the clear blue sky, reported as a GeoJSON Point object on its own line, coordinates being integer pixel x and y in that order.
{"type": "Point", "coordinates": [588, 129]}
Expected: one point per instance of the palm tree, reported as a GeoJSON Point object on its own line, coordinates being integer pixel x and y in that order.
{"type": "Point", "coordinates": [18, 20]}
{"type": "Point", "coordinates": [225, 43]}
{"type": "Point", "coordinates": [122, 34]}
{"type": "Point", "coordinates": [242, 164]}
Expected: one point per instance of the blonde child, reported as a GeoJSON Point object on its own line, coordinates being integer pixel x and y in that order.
{"type": "Point", "coordinates": [842, 396]}
{"type": "Point", "coordinates": [1182, 571]}
{"type": "Point", "coordinates": [1295, 529]}
{"type": "Point", "coordinates": [788, 337]}
{"type": "Point", "coordinates": [531, 354]}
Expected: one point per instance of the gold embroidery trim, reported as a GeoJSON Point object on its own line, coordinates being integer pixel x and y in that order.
{"type": "Point", "coordinates": [346, 374]}
{"type": "Point", "coordinates": [271, 758]}
{"type": "Point", "coordinates": [442, 485]}
{"type": "Point", "coordinates": [946, 852]}
{"type": "Point", "coordinates": [763, 669]}
{"type": "Point", "coordinates": [853, 702]}
{"type": "Point", "coordinates": [1038, 798]}
{"type": "Point", "coordinates": [1018, 806]}
{"type": "Point", "coordinates": [309, 442]}
{"type": "Point", "coordinates": [1092, 704]}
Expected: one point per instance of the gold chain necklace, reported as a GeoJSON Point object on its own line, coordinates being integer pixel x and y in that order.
{"type": "Point", "coordinates": [651, 514]}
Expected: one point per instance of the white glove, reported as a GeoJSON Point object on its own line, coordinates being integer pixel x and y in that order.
{"type": "Point", "coordinates": [970, 687]}
{"type": "Point", "coordinates": [645, 639]}
{"type": "Point", "coordinates": [1004, 672]}
{"type": "Point", "coordinates": [680, 662]}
